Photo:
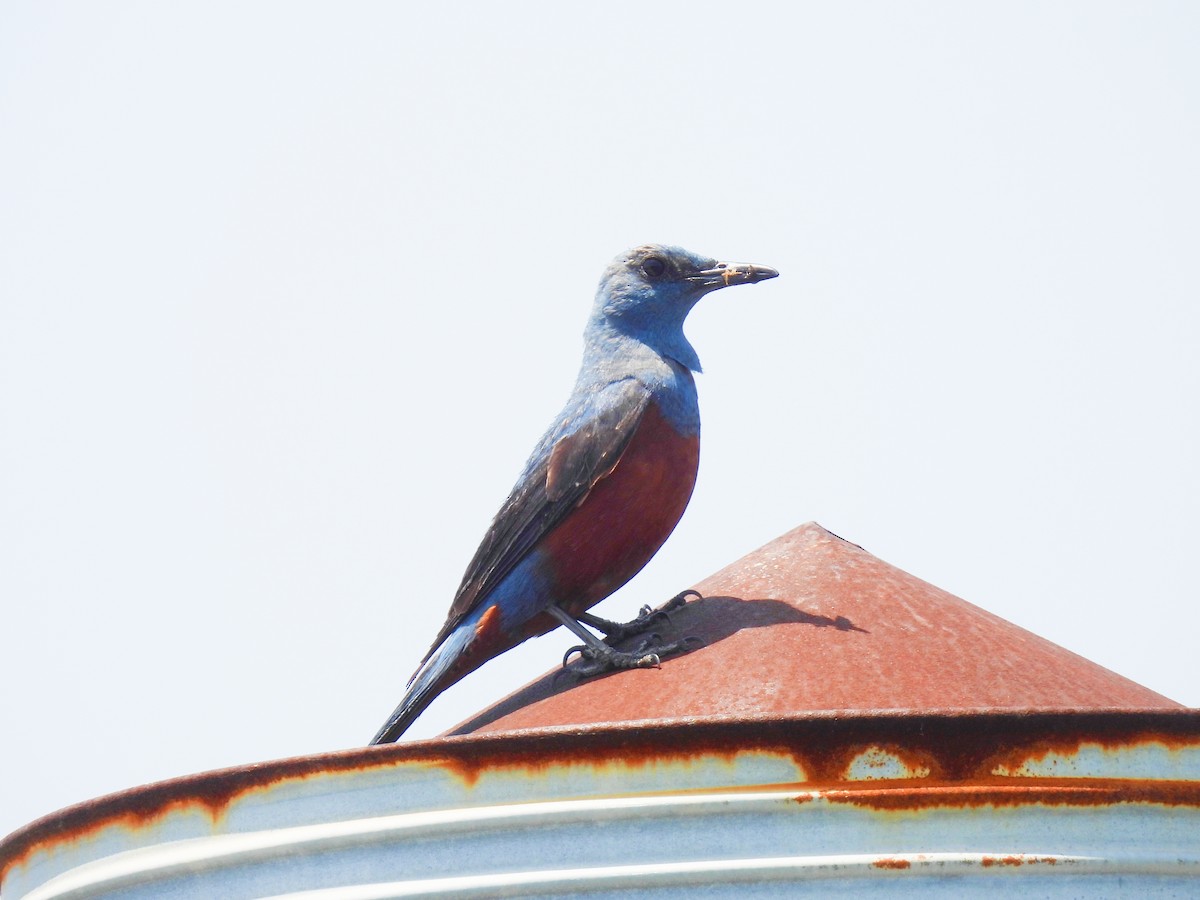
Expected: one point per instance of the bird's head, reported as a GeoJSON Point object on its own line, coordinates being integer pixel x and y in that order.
{"type": "Point", "coordinates": [647, 293]}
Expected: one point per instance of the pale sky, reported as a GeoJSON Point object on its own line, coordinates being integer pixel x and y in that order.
{"type": "Point", "coordinates": [289, 290]}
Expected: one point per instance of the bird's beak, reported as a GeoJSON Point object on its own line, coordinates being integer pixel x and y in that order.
{"type": "Point", "coordinates": [726, 274]}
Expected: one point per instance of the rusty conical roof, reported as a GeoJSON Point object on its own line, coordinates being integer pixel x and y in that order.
{"type": "Point", "coordinates": [812, 622]}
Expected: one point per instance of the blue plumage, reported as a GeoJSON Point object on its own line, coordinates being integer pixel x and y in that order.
{"type": "Point", "coordinates": [605, 485]}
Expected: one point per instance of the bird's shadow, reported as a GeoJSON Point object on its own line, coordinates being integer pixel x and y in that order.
{"type": "Point", "coordinates": [697, 624]}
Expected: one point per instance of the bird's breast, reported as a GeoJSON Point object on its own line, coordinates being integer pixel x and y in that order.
{"type": "Point", "coordinates": [626, 517]}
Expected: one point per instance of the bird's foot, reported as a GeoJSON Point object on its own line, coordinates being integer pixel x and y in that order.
{"type": "Point", "coordinates": [601, 658]}
{"type": "Point", "coordinates": [616, 632]}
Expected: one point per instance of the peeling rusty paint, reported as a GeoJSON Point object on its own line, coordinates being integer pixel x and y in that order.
{"type": "Point", "coordinates": [889, 762]}
{"type": "Point", "coordinates": [892, 864]}
{"type": "Point", "coordinates": [954, 747]}
{"type": "Point", "coordinates": [960, 749]}
{"type": "Point", "coordinates": [1015, 859]}
{"type": "Point", "coordinates": [1046, 792]}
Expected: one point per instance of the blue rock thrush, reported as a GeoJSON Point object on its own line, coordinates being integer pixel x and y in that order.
{"type": "Point", "coordinates": [603, 489]}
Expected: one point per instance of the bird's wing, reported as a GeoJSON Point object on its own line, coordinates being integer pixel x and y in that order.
{"type": "Point", "coordinates": [558, 481]}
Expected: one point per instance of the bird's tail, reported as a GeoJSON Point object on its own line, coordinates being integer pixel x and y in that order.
{"type": "Point", "coordinates": [425, 685]}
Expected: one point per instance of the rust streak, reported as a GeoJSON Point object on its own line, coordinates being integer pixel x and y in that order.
{"type": "Point", "coordinates": [989, 861]}
{"type": "Point", "coordinates": [959, 750]}
{"type": "Point", "coordinates": [1020, 792]}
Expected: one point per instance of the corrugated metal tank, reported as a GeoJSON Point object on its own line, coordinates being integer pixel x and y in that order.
{"type": "Point", "coordinates": [844, 728]}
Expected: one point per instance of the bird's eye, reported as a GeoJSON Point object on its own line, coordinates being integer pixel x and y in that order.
{"type": "Point", "coordinates": [654, 267]}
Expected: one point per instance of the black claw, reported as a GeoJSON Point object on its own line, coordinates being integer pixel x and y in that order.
{"type": "Point", "coordinates": [647, 615]}
{"type": "Point", "coordinates": [654, 616]}
{"type": "Point", "coordinates": [681, 598]}
{"type": "Point", "coordinates": [580, 648]}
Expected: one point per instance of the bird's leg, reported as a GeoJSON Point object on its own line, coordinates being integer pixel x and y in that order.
{"type": "Point", "coordinates": [600, 656]}
{"type": "Point", "coordinates": [615, 632]}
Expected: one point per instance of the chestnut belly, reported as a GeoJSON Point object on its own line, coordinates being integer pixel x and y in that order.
{"type": "Point", "coordinates": [624, 520]}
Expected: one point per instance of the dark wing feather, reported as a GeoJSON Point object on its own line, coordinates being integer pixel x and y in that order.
{"type": "Point", "coordinates": [558, 482]}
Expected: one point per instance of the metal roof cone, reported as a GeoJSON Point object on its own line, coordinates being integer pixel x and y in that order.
{"type": "Point", "coordinates": [811, 622]}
